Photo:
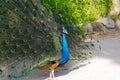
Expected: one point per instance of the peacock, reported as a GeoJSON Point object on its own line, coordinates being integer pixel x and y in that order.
{"type": "Point", "coordinates": [65, 54]}
{"type": "Point", "coordinates": [30, 38]}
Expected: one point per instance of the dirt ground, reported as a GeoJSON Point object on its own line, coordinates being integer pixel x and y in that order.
{"type": "Point", "coordinates": [104, 65]}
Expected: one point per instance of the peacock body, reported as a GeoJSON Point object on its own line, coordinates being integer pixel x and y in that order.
{"type": "Point", "coordinates": [29, 38]}
{"type": "Point", "coordinates": [65, 54]}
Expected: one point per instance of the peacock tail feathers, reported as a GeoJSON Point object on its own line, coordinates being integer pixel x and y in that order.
{"type": "Point", "coordinates": [83, 51]}
{"type": "Point", "coordinates": [26, 37]}
{"type": "Point", "coordinates": [79, 48]}
{"type": "Point", "coordinates": [29, 38]}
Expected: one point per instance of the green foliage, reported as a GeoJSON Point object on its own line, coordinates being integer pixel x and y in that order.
{"type": "Point", "coordinates": [119, 14]}
{"type": "Point", "coordinates": [79, 11]}
{"type": "Point", "coordinates": [115, 16]}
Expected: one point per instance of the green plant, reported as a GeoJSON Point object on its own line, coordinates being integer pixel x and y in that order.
{"type": "Point", "coordinates": [79, 11]}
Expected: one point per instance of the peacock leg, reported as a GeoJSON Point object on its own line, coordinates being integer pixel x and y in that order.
{"type": "Point", "coordinates": [53, 77]}
{"type": "Point", "coordinates": [50, 75]}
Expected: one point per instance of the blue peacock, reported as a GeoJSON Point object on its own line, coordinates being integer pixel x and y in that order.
{"type": "Point", "coordinates": [30, 39]}
{"type": "Point", "coordinates": [65, 55]}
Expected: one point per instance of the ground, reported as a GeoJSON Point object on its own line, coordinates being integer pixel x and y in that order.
{"type": "Point", "coordinates": [104, 65]}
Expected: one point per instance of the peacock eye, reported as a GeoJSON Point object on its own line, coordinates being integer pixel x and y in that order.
{"type": "Point", "coordinates": [12, 50]}
{"type": "Point", "coordinates": [16, 10]}
{"type": "Point", "coordinates": [36, 7]}
{"type": "Point", "coordinates": [34, 11]}
{"type": "Point", "coordinates": [19, 58]}
{"type": "Point", "coordinates": [9, 13]}
{"type": "Point", "coordinates": [8, 56]}
{"type": "Point", "coordinates": [3, 31]}
{"type": "Point", "coordinates": [43, 23]}
{"type": "Point", "coordinates": [13, 36]}
{"type": "Point", "coordinates": [7, 1]}
{"type": "Point", "coordinates": [28, 30]}
{"type": "Point", "coordinates": [25, 9]}
{"type": "Point", "coordinates": [17, 0]}
{"type": "Point", "coordinates": [0, 6]}
{"type": "Point", "coordinates": [10, 26]}
{"type": "Point", "coordinates": [24, 40]}
{"type": "Point", "coordinates": [17, 21]}
{"type": "Point", "coordinates": [36, 27]}
{"type": "Point", "coordinates": [2, 50]}
{"type": "Point", "coordinates": [24, 51]}
{"type": "Point", "coordinates": [20, 31]}
{"type": "Point", "coordinates": [6, 42]}
{"type": "Point", "coordinates": [17, 45]}
{"type": "Point", "coordinates": [30, 46]}
{"type": "Point", "coordinates": [25, 18]}
{"type": "Point", "coordinates": [32, 37]}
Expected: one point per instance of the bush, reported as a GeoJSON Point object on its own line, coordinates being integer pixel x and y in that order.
{"type": "Point", "coordinates": [79, 11]}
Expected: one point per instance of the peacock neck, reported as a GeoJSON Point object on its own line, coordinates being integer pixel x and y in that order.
{"type": "Point", "coordinates": [65, 50]}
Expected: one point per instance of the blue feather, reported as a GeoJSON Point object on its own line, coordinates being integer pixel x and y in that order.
{"type": "Point", "coordinates": [65, 50]}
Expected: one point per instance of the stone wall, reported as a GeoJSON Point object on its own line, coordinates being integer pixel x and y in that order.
{"type": "Point", "coordinates": [116, 8]}
{"type": "Point", "coordinates": [105, 27]}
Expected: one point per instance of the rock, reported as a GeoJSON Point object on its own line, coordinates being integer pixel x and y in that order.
{"type": "Point", "coordinates": [109, 23]}
{"type": "Point", "coordinates": [94, 28]}
{"type": "Point", "coordinates": [98, 27]}
{"type": "Point", "coordinates": [117, 23]}
{"type": "Point", "coordinates": [89, 28]}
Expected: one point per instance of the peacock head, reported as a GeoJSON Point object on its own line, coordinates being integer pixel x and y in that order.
{"type": "Point", "coordinates": [64, 30]}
